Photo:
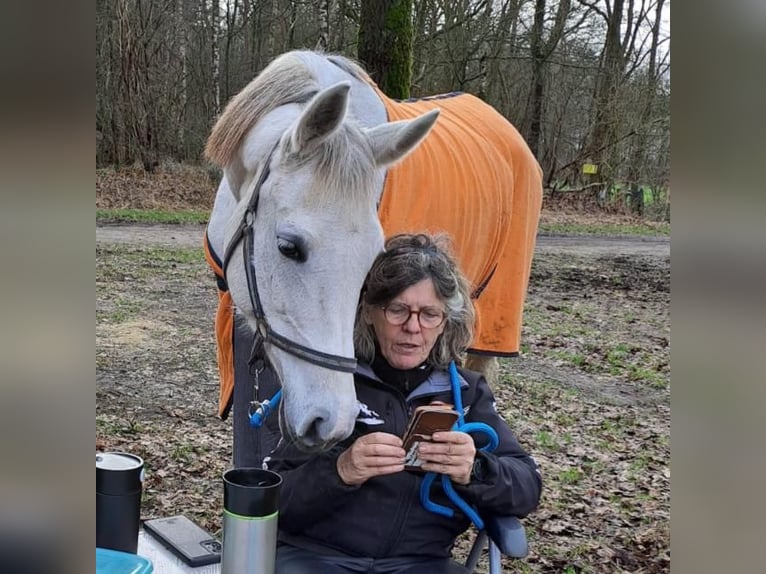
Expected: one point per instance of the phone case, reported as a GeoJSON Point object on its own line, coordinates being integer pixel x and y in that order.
{"type": "Point", "coordinates": [426, 420]}
{"type": "Point", "coordinates": [187, 540]}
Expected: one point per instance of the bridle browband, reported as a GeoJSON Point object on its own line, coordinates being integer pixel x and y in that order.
{"type": "Point", "coordinates": [264, 333]}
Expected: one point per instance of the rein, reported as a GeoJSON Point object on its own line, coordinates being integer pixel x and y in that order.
{"type": "Point", "coordinates": [264, 334]}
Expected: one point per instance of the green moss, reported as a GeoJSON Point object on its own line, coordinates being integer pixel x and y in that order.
{"type": "Point", "coordinates": [398, 24]}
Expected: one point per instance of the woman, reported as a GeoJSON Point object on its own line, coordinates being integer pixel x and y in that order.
{"type": "Point", "coordinates": [354, 508]}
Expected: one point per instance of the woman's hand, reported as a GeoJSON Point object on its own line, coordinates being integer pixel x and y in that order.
{"type": "Point", "coordinates": [450, 453]}
{"type": "Point", "coordinates": [370, 455]}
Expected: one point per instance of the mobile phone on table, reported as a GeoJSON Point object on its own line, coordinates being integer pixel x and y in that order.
{"type": "Point", "coordinates": [186, 539]}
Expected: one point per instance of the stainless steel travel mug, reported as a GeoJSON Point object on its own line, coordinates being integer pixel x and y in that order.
{"type": "Point", "coordinates": [250, 510]}
{"type": "Point", "coordinates": [119, 478]}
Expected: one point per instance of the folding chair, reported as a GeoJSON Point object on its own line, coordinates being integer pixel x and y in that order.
{"type": "Point", "coordinates": [505, 535]}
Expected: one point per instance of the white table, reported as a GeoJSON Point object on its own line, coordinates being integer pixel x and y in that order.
{"type": "Point", "coordinates": [164, 561]}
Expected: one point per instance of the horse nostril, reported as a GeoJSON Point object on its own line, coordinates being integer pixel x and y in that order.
{"type": "Point", "coordinates": [312, 437]}
{"type": "Point", "coordinates": [316, 429]}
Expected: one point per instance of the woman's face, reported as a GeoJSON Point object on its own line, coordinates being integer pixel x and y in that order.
{"type": "Point", "coordinates": [407, 345]}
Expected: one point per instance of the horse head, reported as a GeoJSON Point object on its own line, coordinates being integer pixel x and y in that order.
{"type": "Point", "coordinates": [314, 231]}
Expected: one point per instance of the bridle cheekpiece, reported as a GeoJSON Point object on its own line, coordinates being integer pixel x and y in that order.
{"type": "Point", "coordinates": [264, 334]}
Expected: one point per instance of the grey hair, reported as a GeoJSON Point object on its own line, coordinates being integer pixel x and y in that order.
{"type": "Point", "coordinates": [407, 260]}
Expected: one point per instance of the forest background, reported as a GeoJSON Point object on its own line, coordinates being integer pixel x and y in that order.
{"type": "Point", "coordinates": [587, 82]}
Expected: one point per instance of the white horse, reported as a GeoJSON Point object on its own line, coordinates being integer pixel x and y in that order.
{"type": "Point", "coordinates": [315, 230]}
{"type": "Point", "coordinates": [305, 150]}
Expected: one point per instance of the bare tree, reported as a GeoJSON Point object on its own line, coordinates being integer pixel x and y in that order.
{"type": "Point", "coordinates": [540, 50]}
{"type": "Point", "coordinates": [181, 32]}
{"type": "Point", "coordinates": [215, 56]}
{"type": "Point", "coordinates": [583, 79]}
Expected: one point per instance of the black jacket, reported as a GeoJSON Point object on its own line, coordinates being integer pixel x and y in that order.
{"type": "Point", "coordinates": [384, 517]}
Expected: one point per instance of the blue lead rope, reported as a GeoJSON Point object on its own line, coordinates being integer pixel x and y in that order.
{"type": "Point", "coordinates": [264, 409]}
{"type": "Point", "coordinates": [428, 480]}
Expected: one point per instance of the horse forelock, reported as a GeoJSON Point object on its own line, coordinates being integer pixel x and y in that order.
{"type": "Point", "coordinates": [345, 169]}
{"type": "Point", "coordinates": [285, 80]}
{"type": "Point", "coordinates": [347, 166]}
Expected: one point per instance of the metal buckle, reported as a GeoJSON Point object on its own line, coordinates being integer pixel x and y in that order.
{"type": "Point", "coordinates": [256, 368]}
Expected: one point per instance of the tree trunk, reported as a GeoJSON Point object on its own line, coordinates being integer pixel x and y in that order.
{"type": "Point", "coordinates": [323, 41]}
{"type": "Point", "coordinates": [215, 60]}
{"type": "Point", "coordinates": [231, 23]}
{"type": "Point", "coordinates": [181, 31]}
{"type": "Point", "coordinates": [637, 166]}
{"type": "Point", "coordinates": [603, 134]}
{"type": "Point", "coordinates": [247, 40]}
{"type": "Point", "coordinates": [385, 44]}
{"type": "Point", "coordinates": [535, 109]}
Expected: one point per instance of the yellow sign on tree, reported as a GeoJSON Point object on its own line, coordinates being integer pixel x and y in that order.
{"type": "Point", "coordinates": [590, 168]}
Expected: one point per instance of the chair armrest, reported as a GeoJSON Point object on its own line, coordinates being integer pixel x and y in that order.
{"type": "Point", "coordinates": [507, 532]}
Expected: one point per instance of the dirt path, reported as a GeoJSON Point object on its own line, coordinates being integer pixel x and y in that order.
{"type": "Point", "coordinates": [584, 246]}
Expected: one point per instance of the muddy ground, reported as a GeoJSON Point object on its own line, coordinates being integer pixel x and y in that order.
{"type": "Point", "coordinates": [589, 397]}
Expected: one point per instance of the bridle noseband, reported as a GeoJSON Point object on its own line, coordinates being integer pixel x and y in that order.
{"type": "Point", "coordinates": [264, 333]}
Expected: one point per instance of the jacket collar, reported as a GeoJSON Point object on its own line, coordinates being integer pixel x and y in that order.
{"type": "Point", "coordinates": [438, 381]}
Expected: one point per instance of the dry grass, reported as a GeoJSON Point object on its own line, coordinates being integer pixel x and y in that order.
{"type": "Point", "coordinates": [170, 187]}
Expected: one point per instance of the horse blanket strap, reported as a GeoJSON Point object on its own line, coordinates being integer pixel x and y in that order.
{"type": "Point", "coordinates": [264, 333]}
{"type": "Point", "coordinates": [224, 332]}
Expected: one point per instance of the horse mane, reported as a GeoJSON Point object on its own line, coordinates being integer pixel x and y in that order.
{"type": "Point", "coordinates": [285, 80]}
{"type": "Point", "coordinates": [288, 79]}
{"type": "Point", "coordinates": [351, 67]}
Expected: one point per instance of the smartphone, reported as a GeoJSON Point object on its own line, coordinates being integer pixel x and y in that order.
{"type": "Point", "coordinates": [187, 540]}
{"type": "Point", "coordinates": [425, 421]}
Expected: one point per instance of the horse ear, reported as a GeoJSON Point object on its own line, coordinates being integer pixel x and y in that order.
{"type": "Point", "coordinates": [393, 141]}
{"type": "Point", "coordinates": [321, 118]}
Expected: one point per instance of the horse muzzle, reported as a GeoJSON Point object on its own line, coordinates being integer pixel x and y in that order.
{"type": "Point", "coordinates": [319, 421]}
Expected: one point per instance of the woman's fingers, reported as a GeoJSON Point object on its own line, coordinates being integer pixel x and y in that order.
{"type": "Point", "coordinates": [450, 453]}
{"type": "Point", "coordinates": [380, 445]}
{"type": "Point", "coordinates": [380, 438]}
{"type": "Point", "coordinates": [371, 455]}
{"type": "Point", "coordinates": [450, 444]}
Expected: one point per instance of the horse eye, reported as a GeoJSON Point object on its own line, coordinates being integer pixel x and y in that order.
{"type": "Point", "coordinates": [290, 249]}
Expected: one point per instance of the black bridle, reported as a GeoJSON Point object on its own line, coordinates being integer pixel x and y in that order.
{"type": "Point", "coordinates": [264, 333]}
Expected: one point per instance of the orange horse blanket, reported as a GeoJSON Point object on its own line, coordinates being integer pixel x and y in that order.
{"type": "Point", "coordinates": [475, 178]}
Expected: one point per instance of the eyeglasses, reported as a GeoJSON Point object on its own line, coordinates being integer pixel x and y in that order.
{"type": "Point", "coordinates": [399, 314]}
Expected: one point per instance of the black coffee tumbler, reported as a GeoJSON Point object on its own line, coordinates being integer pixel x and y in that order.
{"type": "Point", "coordinates": [119, 477]}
